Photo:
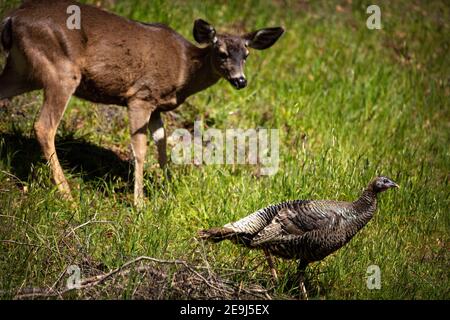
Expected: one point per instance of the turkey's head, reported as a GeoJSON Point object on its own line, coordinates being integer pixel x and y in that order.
{"type": "Point", "coordinates": [380, 184]}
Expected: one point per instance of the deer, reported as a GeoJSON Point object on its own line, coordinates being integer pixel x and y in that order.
{"type": "Point", "coordinates": [146, 67]}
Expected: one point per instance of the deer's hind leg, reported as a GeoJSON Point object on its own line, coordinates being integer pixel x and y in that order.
{"type": "Point", "coordinates": [59, 84]}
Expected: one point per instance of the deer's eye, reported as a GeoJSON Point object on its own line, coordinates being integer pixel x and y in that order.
{"type": "Point", "coordinates": [223, 55]}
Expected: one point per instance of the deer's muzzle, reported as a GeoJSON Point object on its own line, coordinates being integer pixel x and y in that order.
{"type": "Point", "coordinates": [239, 83]}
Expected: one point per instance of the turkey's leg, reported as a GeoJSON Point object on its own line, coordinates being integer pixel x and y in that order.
{"type": "Point", "coordinates": [271, 265]}
{"type": "Point", "coordinates": [301, 278]}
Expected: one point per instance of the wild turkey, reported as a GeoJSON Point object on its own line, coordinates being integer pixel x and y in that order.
{"type": "Point", "coordinates": [303, 229]}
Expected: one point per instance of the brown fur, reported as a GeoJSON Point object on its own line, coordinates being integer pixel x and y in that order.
{"type": "Point", "coordinates": [147, 67]}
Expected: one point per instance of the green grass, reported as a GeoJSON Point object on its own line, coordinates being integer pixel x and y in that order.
{"type": "Point", "coordinates": [350, 103]}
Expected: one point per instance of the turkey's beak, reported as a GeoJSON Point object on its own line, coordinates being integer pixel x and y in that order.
{"type": "Point", "coordinates": [394, 185]}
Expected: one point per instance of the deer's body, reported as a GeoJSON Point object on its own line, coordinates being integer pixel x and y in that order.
{"type": "Point", "coordinates": [117, 59]}
{"type": "Point", "coordinates": [148, 68]}
{"type": "Point", "coordinates": [155, 64]}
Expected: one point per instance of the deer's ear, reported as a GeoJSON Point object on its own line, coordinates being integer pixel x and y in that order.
{"type": "Point", "coordinates": [264, 38]}
{"type": "Point", "coordinates": [204, 32]}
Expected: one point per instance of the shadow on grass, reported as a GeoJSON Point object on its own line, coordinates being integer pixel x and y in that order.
{"type": "Point", "coordinates": [89, 161]}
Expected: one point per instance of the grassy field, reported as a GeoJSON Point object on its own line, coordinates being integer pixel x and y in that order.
{"type": "Point", "coordinates": [350, 103]}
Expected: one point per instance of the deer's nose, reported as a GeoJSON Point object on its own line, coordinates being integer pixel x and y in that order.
{"type": "Point", "coordinates": [239, 82]}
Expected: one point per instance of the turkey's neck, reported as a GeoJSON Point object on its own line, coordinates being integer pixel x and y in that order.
{"type": "Point", "coordinates": [364, 208]}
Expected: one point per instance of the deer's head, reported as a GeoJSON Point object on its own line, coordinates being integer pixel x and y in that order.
{"type": "Point", "coordinates": [229, 52]}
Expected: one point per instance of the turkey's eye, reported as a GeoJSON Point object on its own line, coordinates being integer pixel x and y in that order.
{"type": "Point", "coordinates": [223, 55]}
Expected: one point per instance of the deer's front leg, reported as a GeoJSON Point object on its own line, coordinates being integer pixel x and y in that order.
{"type": "Point", "coordinates": [159, 136]}
{"type": "Point", "coordinates": [139, 114]}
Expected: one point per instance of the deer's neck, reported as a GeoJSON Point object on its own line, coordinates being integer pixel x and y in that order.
{"type": "Point", "coordinates": [200, 72]}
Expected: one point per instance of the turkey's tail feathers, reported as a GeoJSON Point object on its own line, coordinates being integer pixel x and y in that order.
{"type": "Point", "coordinates": [216, 234]}
{"type": "Point", "coordinates": [224, 233]}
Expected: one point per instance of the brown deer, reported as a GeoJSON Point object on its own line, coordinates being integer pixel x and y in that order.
{"type": "Point", "coordinates": [148, 68]}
